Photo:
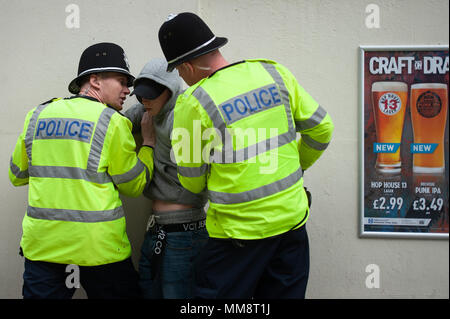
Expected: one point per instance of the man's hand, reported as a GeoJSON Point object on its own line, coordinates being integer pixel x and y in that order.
{"type": "Point", "coordinates": [147, 130]}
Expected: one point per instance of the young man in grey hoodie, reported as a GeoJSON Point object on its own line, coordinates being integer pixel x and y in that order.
{"type": "Point", "coordinates": [176, 231]}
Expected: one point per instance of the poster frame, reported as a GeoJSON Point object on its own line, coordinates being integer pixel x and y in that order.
{"type": "Point", "coordinates": [361, 78]}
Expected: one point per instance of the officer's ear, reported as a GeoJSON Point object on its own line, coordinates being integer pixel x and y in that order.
{"type": "Point", "coordinates": [188, 68]}
{"type": "Point", "coordinates": [94, 80]}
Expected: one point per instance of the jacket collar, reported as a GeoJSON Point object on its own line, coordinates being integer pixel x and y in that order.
{"type": "Point", "coordinates": [92, 99]}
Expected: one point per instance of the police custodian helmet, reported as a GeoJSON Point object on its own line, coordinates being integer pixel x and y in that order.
{"type": "Point", "coordinates": [101, 57]}
{"type": "Point", "coordinates": [186, 36]}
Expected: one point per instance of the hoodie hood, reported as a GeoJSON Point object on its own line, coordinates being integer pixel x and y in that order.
{"type": "Point", "coordinates": [155, 70]}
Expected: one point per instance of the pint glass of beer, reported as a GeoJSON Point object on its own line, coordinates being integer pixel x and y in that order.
{"type": "Point", "coordinates": [389, 104]}
{"type": "Point", "coordinates": [429, 118]}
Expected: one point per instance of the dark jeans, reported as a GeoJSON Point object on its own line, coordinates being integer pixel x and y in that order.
{"type": "Point", "coordinates": [56, 281]}
{"type": "Point", "coordinates": [175, 276]}
{"type": "Point", "coordinates": [276, 267]}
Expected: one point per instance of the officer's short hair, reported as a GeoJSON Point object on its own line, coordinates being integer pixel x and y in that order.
{"type": "Point", "coordinates": [85, 79]}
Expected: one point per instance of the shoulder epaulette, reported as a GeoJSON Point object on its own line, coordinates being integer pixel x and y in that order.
{"type": "Point", "coordinates": [51, 100]}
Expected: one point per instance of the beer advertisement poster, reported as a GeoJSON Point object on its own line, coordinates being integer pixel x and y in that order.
{"type": "Point", "coordinates": [404, 162]}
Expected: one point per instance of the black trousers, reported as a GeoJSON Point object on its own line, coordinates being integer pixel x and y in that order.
{"type": "Point", "coordinates": [56, 281]}
{"type": "Point", "coordinates": [275, 267]}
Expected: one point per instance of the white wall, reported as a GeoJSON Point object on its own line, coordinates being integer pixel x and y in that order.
{"type": "Point", "coordinates": [317, 40]}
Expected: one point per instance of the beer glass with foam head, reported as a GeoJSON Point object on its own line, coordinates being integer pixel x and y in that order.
{"type": "Point", "coordinates": [389, 100]}
{"type": "Point", "coordinates": [429, 117]}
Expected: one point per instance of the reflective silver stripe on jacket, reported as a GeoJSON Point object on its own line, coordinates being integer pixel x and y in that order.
{"type": "Point", "coordinates": [193, 171]}
{"type": "Point", "coordinates": [31, 128]}
{"type": "Point", "coordinates": [313, 121]}
{"type": "Point", "coordinates": [69, 173]}
{"type": "Point", "coordinates": [313, 143]}
{"type": "Point", "coordinates": [75, 215]}
{"type": "Point", "coordinates": [284, 94]}
{"type": "Point", "coordinates": [131, 174]}
{"type": "Point", "coordinates": [228, 154]}
{"type": "Point", "coordinates": [98, 139]}
{"type": "Point", "coordinates": [16, 170]}
{"type": "Point", "coordinates": [257, 193]}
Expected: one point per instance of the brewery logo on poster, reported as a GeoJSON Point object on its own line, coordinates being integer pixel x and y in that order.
{"type": "Point", "coordinates": [389, 103]}
{"type": "Point", "coordinates": [429, 104]}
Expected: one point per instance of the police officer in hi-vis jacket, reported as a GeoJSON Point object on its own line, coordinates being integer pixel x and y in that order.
{"type": "Point", "coordinates": [234, 133]}
{"type": "Point", "coordinates": [77, 154]}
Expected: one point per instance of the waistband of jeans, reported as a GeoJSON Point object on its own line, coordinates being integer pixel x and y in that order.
{"type": "Point", "coordinates": [179, 216]}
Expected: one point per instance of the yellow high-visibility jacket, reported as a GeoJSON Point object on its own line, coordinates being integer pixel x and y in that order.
{"type": "Point", "coordinates": [77, 154]}
{"type": "Point", "coordinates": [235, 133]}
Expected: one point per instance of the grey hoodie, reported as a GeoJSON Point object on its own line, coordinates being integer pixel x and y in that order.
{"type": "Point", "coordinates": [164, 184]}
